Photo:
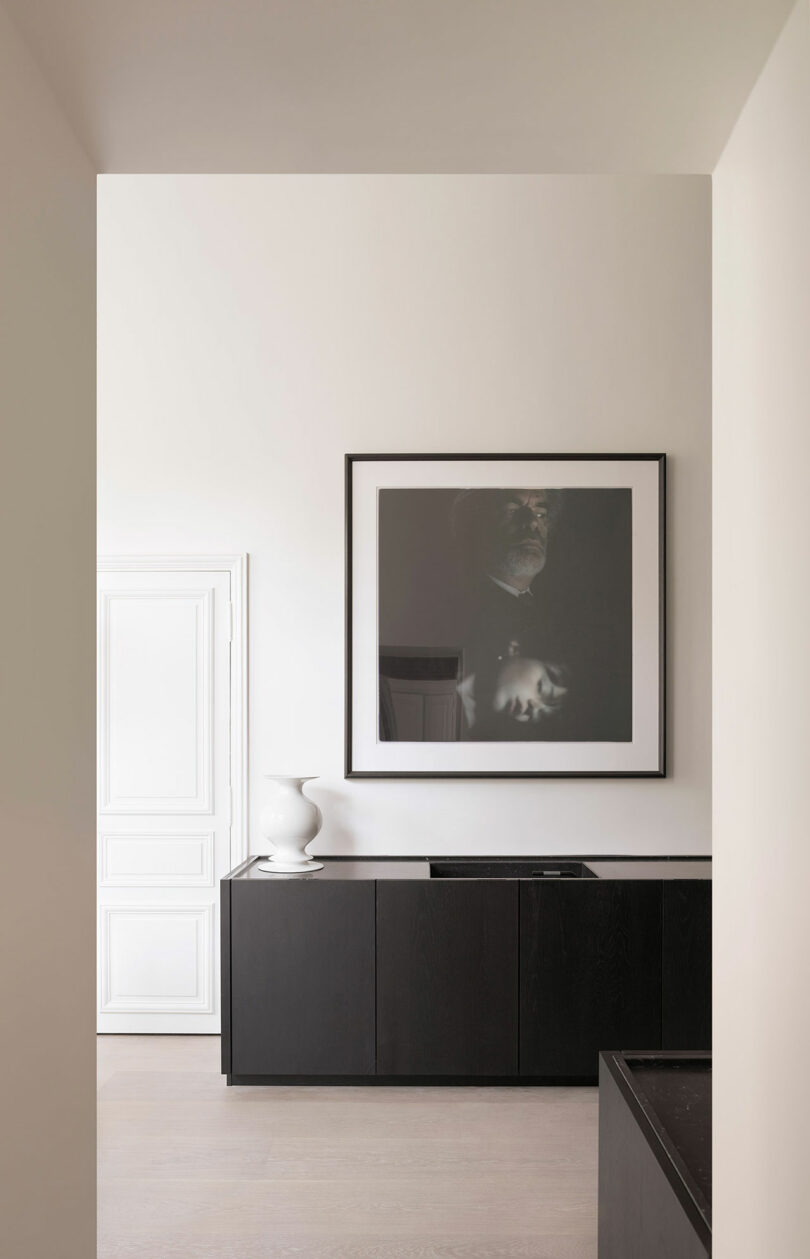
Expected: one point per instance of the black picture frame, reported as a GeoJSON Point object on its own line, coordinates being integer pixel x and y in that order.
{"type": "Point", "coordinates": [354, 768]}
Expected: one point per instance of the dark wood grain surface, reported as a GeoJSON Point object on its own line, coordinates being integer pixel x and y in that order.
{"type": "Point", "coordinates": [474, 978]}
{"type": "Point", "coordinates": [590, 963]}
{"type": "Point", "coordinates": [302, 987]}
{"type": "Point", "coordinates": [447, 970]}
{"type": "Point", "coordinates": [687, 965]}
{"type": "Point", "coordinates": [225, 964]}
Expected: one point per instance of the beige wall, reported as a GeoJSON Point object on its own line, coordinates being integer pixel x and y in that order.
{"type": "Point", "coordinates": [762, 670]}
{"type": "Point", "coordinates": [47, 351]}
{"type": "Point", "coordinates": [254, 329]}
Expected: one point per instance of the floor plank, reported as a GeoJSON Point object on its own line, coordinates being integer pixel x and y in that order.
{"type": "Point", "coordinates": [190, 1169]}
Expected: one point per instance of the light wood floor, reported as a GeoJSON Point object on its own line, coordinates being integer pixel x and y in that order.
{"type": "Point", "coordinates": [190, 1169]}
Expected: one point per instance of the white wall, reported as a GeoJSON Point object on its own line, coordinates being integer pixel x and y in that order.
{"type": "Point", "coordinates": [762, 677]}
{"type": "Point", "coordinates": [253, 329]}
{"type": "Point", "coordinates": [47, 674]}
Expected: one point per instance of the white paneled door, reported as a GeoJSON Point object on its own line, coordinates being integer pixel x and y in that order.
{"type": "Point", "coordinates": [171, 786]}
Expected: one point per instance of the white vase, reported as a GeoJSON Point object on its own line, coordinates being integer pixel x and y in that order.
{"type": "Point", "coordinates": [289, 821]}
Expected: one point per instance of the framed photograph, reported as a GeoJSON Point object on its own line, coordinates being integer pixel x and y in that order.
{"type": "Point", "coordinates": [504, 616]}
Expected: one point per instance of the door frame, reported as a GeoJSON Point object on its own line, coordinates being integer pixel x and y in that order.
{"type": "Point", "coordinates": [237, 567]}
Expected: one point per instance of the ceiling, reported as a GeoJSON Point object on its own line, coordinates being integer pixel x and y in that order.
{"type": "Point", "coordinates": [402, 85]}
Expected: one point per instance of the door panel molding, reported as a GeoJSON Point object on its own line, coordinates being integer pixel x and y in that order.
{"type": "Point", "coordinates": [237, 566]}
{"type": "Point", "coordinates": [198, 923]}
{"type": "Point", "coordinates": [201, 800]}
{"type": "Point", "coordinates": [178, 859]}
{"type": "Point", "coordinates": [173, 783]}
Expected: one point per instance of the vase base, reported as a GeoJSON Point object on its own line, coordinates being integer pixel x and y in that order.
{"type": "Point", "coordinates": [288, 867]}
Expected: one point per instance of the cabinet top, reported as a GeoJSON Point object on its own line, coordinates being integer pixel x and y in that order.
{"type": "Point", "coordinates": [651, 868]}
{"type": "Point", "coordinates": [371, 868]}
{"type": "Point", "coordinates": [410, 868]}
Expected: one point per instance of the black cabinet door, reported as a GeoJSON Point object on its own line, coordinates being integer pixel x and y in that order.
{"type": "Point", "coordinates": [687, 964]}
{"type": "Point", "coordinates": [302, 966]}
{"type": "Point", "coordinates": [447, 977]}
{"type": "Point", "coordinates": [590, 972]}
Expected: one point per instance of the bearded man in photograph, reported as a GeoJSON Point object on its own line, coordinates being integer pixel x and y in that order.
{"type": "Point", "coordinates": [515, 677]}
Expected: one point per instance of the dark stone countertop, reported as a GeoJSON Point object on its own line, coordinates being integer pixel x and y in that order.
{"type": "Point", "coordinates": [410, 868]}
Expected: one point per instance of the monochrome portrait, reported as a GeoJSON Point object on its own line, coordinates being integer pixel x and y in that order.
{"type": "Point", "coordinates": [505, 615]}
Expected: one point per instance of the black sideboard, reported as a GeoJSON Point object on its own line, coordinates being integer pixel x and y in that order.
{"type": "Point", "coordinates": [486, 970]}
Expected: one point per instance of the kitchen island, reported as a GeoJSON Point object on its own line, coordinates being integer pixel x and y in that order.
{"type": "Point", "coordinates": [655, 1184]}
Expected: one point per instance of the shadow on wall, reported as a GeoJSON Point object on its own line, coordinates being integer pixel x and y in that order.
{"type": "Point", "coordinates": [335, 808]}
